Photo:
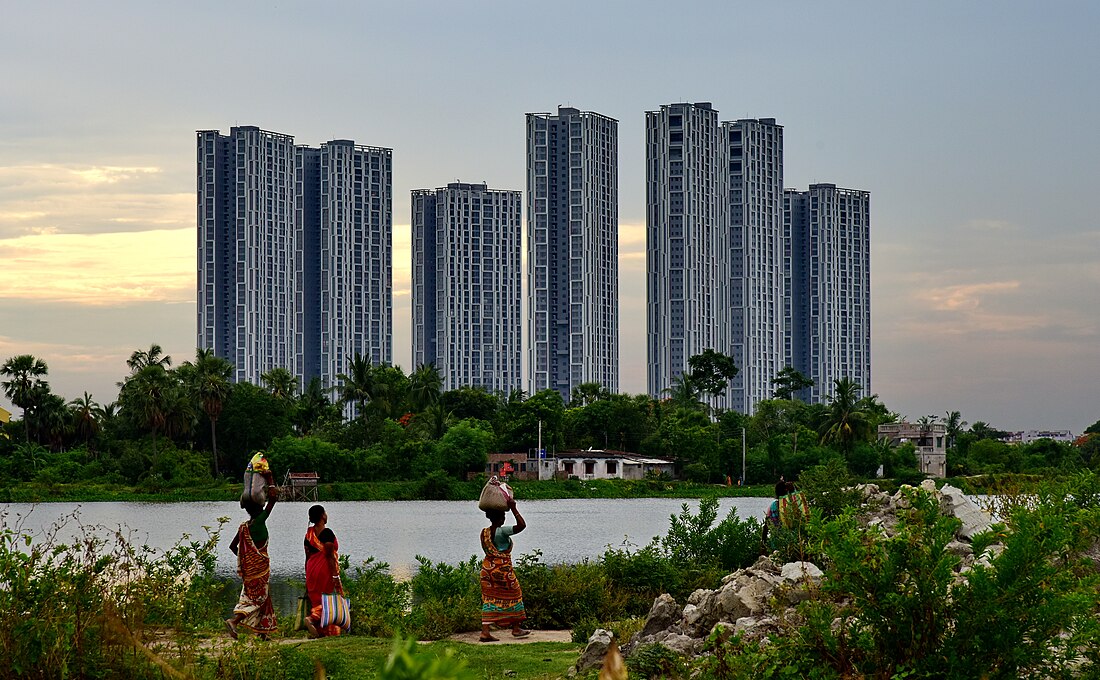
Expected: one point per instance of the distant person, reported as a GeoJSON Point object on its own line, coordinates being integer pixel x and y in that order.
{"type": "Point", "coordinates": [501, 596]}
{"type": "Point", "coordinates": [322, 570]}
{"type": "Point", "coordinates": [254, 609]}
{"type": "Point", "coordinates": [771, 518]}
{"type": "Point", "coordinates": [793, 508]}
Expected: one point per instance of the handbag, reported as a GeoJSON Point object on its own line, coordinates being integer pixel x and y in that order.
{"type": "Point", "coordinates": [301, 613]}
{"type": "Point", "coordinates": [335, 611]}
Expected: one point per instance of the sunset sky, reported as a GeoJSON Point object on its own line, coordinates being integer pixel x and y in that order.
{"type": "Point", "coordinates": [975, 126]}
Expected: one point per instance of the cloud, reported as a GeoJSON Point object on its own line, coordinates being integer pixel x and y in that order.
{"type": "Point", "coordinates": [100, 269]}
{"type": "Point", "coordinates": [964, 296]}
{"type": "Point", "coordinates": [45, 198]}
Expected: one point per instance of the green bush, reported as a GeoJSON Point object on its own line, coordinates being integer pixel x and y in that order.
{"type": "Point", "coordinates": [378, 601]}
{"type": "Point", "coordinates": [445, 599]}
{"type": "Point", "coordinates": [565, 595]}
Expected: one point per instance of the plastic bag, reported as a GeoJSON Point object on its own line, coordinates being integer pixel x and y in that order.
{"type": "Point", "coordinates": [255, 482]}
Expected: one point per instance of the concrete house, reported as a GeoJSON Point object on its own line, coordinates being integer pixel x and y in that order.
{"type": "Point", "coordinates": [931, 443]}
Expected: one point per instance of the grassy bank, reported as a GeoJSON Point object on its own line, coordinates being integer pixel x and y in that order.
{"type": "Point", "coordinates": [428, 489]}
{"type": "Point", "coordinates": [364, 657]}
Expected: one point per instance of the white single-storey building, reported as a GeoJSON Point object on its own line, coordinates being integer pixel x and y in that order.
{"type": "Point", "coordinates": [600, 464]}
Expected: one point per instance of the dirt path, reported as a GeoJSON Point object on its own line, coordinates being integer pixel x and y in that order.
{"type": "Point", "coordinates": [505, 637]}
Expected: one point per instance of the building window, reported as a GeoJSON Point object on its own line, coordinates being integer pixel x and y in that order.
{"type": "Point", "coordinates": [589, 467]}
{"type": "Point", "coordinates": [612, 467]}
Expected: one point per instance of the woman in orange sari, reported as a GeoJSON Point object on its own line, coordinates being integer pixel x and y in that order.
{"type": "Point", "coordinates": [322, 569]}
{"type": "Point", "coordinates": [501, 596]}
{"type": "Point", "coordinates": [254, 610]}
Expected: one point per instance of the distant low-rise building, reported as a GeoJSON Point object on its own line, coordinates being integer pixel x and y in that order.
{"type": "Point", "coordinates": [600, 464]}
{"type": "Point", "coordinates": [929, 440]}
{"type": "Point", "coordinates": [1031, 436]}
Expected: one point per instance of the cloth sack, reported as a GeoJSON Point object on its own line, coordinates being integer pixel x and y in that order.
{"type": "Point", "coordinates": [301, 613]}
{"type": "Point", "coordinates": [494, 496]}
{"type": "Point", "coordinates": [335, 611]}
{"type": "Point", "coordinates": [255, 484]}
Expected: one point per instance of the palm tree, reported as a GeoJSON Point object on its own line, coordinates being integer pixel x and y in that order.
{"type": "Point", "coordinates": [52, 418]}
{"type": "Point", "coordinates": [846, 421]}
{"type": "Point", "coordinates": [209, 384]}
{"type": "Point", "coordinates": [684, 393]}
{"type": "Point", "coordinates": [145, 398]}
{"type": "Point", "coordinates": [586, 393]}
{"type": "Point", "coordinates": [281, 383]}
{"type": "Point", "coordinates": [357, 385]}
{"type": "Point", "coordinates": [425, 387]}
{"type": "Point", "coordinates": [955, 426]}
{"type": "Point", "coordinates": [311, 405]}
{"type": "Point", "coordinates": [24, 374]}
{"type": "Point", "coordinates": [85, 418]}
{"type": "Point", "coordinates": [434, 422]}
{"type": "Point", "coordinates": [139, 359]}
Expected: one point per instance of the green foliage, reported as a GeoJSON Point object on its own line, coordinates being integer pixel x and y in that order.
{"type": "Point", "coordinates": [445, 599]}
{"type": "Point", "coordinates": [407, 662]}
{"type": "Point", "coordinates": [566, 595]}
{"type": "Point", "coordinates": [71, 609]}
{"type": "Point", "coordinates": [893, 605]}
{"type": "Point", "coordinates": [656, 661]}
{"type": "Point", "coordinates": [693, 540]}
{"type": "Point", "coordinates": [830, 488]}
{"type": "Point", "coordinates": [378, 601]}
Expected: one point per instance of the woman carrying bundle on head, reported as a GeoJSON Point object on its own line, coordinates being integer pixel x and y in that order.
{"type": "Point", "coordinates": [501, 596]}
{"type": "Point", "coordinates": [254, 610]}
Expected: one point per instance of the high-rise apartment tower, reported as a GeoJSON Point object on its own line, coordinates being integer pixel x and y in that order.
{"type": "Point", "coordinates": [294, 253]}
{"type": "Point", "coordinates": [466, 285]}
{"type": "Point", "coordinates": [757, 323]}
{"type": "Point", "coordinates": [687, 239]}
{"type": "Point", "coordinates": [830, 286]}
{"type": "Point", "coordinates": [572, 250]}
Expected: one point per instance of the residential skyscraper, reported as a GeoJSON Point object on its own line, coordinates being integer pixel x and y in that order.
{"type": "Point", "coordinates": [294, 253]}
{"type": "Point", "coordinates": [246, 249]}
{"type": "Point", "coordinates": [830, 286]}
{"type": "Point", "coordinates": [757, 320]}
{"type": "Point", "coordinates": [687, 239]}
{"type": "Point", "coordinates": [572, 250]}
{"type": "Point", "coordinates": [466, 284]}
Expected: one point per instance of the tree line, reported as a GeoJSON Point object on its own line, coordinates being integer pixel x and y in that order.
{"type": "Point", "coordinates": [189, 424]}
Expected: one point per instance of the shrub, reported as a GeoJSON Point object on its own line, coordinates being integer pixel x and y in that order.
{"type": "Point", "coordinates": [565, 595]}
{"type": "Point", "coordinates": [378, 601]}
{"type": "Point", "coordinates": [445, 599]}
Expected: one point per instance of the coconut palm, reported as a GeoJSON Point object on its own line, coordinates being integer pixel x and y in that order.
{"type": "Point", "coordinates": [433, 422]}
{"type": "Point", "coordinates": [208, 380]}
{"type": "Point", "coordinates": [24, 373]}
{"type": "Point", "coordinates": [281, 383]}
{"type": "Point", "coordinates": [586, 393]}
{"type": "Point", "coordinates": [684, 393]}
{"type": "Point", "coordinates": [146, 398]}
{"type": "Point", "coordinates": [357, 384]}
{"type": "Point", "coordinates": [311, 405]}
{"type": "Point", "coordinates": [955, 426]}
{"type": "Point", "coordinates": [425, 387]}
{"type": "Point", "coordinates": [845, 421]}
{"type": "Point", "coordinates": [85, 418]}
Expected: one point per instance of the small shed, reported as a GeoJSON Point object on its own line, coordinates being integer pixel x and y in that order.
{"type": "Point", "coordinates": [300, 486]}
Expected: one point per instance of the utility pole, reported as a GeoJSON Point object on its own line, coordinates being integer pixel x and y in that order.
{"type": "Point", "coordinates": [742, 456]}
{"type": "Point", "coordinates": [540, 439]}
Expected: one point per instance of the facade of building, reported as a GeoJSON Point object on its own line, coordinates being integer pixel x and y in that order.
{"type": "Point", "coordinates": [829, 286]}
{"type": "Point", "coordinates": [757, 319]}
{"type": "Point", "coordinates": [687, 239]}
{"type": "Point", "coordinates": [930, 442]}
{"type": "Point", "coordinates": [572, 250]}
{"type": "Point", "coordinates": [466, 285]}
{"type": "Point", "coordinates": [595, 464]}
{"type": "Point", "coordinates": [1032, 436]}
{"type": "Point", "coordinates": [294, 253]}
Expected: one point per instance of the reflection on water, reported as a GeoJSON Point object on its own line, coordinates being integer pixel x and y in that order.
{"type": "Point", "coordinates": [394, 532]}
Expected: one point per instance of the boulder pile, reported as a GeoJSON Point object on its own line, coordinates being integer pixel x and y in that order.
{"type": "Point", "coordinates": [752, 601]}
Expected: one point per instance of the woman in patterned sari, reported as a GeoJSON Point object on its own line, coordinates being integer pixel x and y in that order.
{"type": "Point", "coordinates": [501, 596]}
{"type": "Point", "coordinates": [322, 569]}
{"type": "Point", "coordinates": [254, 610]}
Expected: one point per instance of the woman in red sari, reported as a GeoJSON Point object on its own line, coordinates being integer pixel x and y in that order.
{"type": "Point", "coordinates": [322, 569]}
{"type": "Point", "coordinates": [254, 610]}
{"type": "Point", "coordinates": [501, 596]}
